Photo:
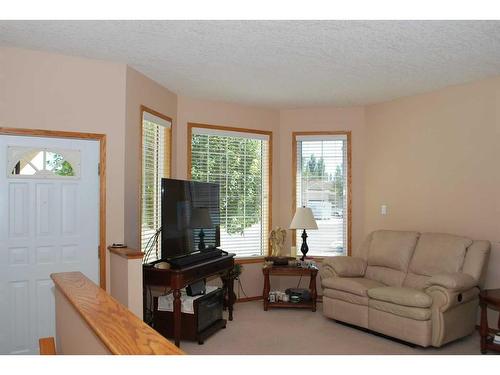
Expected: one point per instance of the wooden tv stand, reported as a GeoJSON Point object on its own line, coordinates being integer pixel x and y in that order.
{"type": "Point", "coordinates": [176, 279]}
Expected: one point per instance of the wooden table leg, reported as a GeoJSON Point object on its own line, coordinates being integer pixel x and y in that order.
{"type": "Point", "coordinates": [177, 317]}
{"type": "Point", "coordinates": [483, 329]}
{"type": "Point", "coordinates": [267, 288]}
{"type": "Point", "coordinates": [230, 291]}
{"type": "Point", "coordinates": [225, 289]}
{"type": "Point", "coordinates": [312, 288]}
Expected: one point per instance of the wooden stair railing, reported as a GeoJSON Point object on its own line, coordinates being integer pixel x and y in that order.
{"type": "Point", "coordinates": [47, 346]}
{"type": "Point", "coordinates": [101, 318]}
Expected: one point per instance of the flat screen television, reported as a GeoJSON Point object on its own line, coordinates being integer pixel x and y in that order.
{"type": "Point", "coordinates": [190, 217]}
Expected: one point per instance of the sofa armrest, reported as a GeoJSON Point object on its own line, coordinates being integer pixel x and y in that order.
{"type": "Point", "coordinates": [454, 282]}
{"type": "Point", "coordinates": [451, 289]}
{"type": "Point", "coordinates": [444, 300]}
{"type": "Point", "coordinates": [343, 266]}
{"type": "Point", "coordinates": [326, 272]}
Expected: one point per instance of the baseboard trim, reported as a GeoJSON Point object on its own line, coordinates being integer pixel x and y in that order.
{"type": "Point", "coordinates": [248, 299]}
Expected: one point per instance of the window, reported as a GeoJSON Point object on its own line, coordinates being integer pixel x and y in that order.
{"type": "Point", "coordinates": [156, 146]}
{"type": "Point", "coordinates": [43, 163]}
{"type": "Point", "coordinates": [322, 173]}
{"type": "Point", "coordinates": [239, 161]}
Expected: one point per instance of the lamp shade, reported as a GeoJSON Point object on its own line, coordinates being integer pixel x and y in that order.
{"type": "Point", "coordinates": [200, 218]}
{"type": "Point", "coordinates": [303, 219]}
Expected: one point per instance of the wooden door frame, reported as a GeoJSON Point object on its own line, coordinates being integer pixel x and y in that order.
{"type": "Point", "coordinates": [349, 181]}
{"type": "Point", "coordinates": [102, 179]}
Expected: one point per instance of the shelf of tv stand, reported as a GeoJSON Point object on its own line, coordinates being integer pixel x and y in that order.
{"type": "Point", "coordinates": [299, 305]}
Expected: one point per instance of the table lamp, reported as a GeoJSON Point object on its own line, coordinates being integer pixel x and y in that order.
{"type": "Point", "coordinates": [200, 218]}
{"type": "Point", "coordinates": [303, 219]}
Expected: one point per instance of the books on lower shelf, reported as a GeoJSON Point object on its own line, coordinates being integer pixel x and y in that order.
{"type": "Point", "coordinates": [496, 339]}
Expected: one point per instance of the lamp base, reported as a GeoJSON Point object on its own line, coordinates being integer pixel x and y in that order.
{"type": "Point", "coordinates": [201, 244]}
{"type": "Point", "coordinates": [304, 248]}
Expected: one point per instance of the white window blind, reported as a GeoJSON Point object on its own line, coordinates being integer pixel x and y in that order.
{"type": "Point", "coordinates": [156, 133]}
{"type": "Point", "coordinates": [322, 185]}
{"type": "Point", "coordinates": [239, 163]}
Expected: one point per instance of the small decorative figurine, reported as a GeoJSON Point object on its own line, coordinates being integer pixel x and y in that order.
{"type": "Point", "coordinates": [277, 239]}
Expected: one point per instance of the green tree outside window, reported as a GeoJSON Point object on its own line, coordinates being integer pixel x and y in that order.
{"type": "Point", "coordinates": [235, 163]}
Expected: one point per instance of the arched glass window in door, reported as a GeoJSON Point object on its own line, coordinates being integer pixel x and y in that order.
{"type": "Point", "coordinates": [43, 163]}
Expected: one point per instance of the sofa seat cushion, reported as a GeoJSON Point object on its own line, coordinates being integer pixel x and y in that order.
{"type": "Point", "coordinates": [401, 296]}
{"type": "Point", "coordinates": [345, 296]}
{"type": "Point", "coordinates": [415, 313]}
{"type": "Point", "coordinates": [354, 285]}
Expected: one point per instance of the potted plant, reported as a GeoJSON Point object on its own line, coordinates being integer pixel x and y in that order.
{"type": "Point", "coordinates": [236, 271]}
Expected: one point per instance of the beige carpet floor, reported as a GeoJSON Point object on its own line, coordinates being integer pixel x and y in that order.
{"type": "Point", "coordinates": [296, 331]}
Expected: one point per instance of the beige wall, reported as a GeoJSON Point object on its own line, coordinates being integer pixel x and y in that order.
{"type": "Point", "coordinates": [419, 155]}
{"type": "Point", "coordinates": [282, 123]}
{"type": "Point", "coordinates": [50, 91]}
{"type": "Point", "coordinates": [140, 90]}
{"type": "Point", "coordinates": [41, 90]}
{"type": "Point", "coordinates": [433, 159]}
{"type": "Point", "coordinates": [126, 282]}
{"type": "Point", "coordinates": [73, 334]}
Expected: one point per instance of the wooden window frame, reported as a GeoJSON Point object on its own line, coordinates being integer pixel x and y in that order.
{"type": "Point", "coordinates": [349, 183]}
{"type": "Point", "coordinates": [191, 125]}
{"type": "Point", "coordinates": [168, 143]}
{"type": "Point", "coordinates": [102, 179]}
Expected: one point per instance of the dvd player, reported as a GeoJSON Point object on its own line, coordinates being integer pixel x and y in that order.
{"type": "Point", "coordinates": [194, 258]}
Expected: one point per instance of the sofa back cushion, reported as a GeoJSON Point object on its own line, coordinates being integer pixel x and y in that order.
{"type": "Point", "coordinates": [392, 249]}
{"type": "Point", "coordinates": [439, 253]}
{"type": "Point", "coordinates": [476, 260]}
{"type": "Point", "coordinates": [389, 254]}
{"type": "Point", "coordinates": [436, 253]}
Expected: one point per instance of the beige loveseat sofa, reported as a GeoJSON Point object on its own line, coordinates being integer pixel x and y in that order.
{"type": "Point", "coordinates": [418, 287]}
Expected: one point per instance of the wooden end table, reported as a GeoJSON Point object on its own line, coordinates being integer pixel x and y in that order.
{"type": "Point", "coordinates": [268, 270]}
{"type": "Point", "coordinates": [488, 298]}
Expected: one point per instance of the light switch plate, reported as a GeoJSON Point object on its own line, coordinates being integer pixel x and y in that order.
{"type": "Point", "coordinates": [383, 209]}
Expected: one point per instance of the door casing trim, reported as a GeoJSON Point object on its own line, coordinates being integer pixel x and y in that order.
{"type": "Point", "coordinates": [102, 179]}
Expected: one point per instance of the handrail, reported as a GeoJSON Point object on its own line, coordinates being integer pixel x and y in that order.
{"type": "Point", "coordinates": [120, 330]}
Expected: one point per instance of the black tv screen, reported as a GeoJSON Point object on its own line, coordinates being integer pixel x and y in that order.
{"type": "Point", "coordinates": [190, 217]}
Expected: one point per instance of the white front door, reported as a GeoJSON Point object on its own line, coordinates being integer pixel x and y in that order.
{"type": "Point", "coordinates": [49, 222]}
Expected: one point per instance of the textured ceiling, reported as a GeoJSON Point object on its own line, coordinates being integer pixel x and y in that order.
{"type": "Point", "coordinates": [280, 64]}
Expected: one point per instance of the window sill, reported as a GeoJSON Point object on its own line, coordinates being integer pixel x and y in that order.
{"type": "Point", "coordinates": [320, 258]}
{"type": "Point", "coordinates": [249, 260]}
{"type": "Point", "coordinates": [261, 259]}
